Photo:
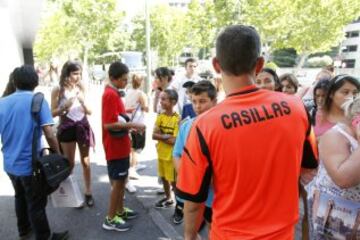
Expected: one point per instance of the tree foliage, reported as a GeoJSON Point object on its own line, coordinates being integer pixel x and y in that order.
{"type": "Point", "coordinates": [168, 32]}
{"type": "Point", "coordinates": [306, 26]}
{"type": "Point", "coordinates": [78, 26]}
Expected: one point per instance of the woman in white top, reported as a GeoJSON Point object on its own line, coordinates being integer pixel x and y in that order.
{"type": "Point", "coordinates": [68, 102]}
{"type": "Point", "coordinates": [334, 194]}
{"type": "Point", "coordinates": [163, 78]}
{"type": "Point", "coordinates": [136, 105]}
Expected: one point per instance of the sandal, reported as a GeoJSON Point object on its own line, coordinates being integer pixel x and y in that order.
{"type": "Point", "coordinates": [89, 200]}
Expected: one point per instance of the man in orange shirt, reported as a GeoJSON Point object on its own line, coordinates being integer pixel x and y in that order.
{"type": "Point", "coordinates": [251, 147]}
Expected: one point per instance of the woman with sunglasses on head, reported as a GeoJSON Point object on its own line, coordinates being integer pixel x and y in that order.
{"type": "Point", "coordinates": [334, 194]}
{"type": "Point", "coordinates": [340, 89]}
{"type": "Point", "coordinates": [68, 103]}
{"type": "Point", "coordinates": [329, 96]}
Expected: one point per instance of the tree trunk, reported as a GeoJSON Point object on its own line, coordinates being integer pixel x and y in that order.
{"type": "Point", "coordinates": [85, 72]}
{"type": "Point", "coordinates": [303, 58]}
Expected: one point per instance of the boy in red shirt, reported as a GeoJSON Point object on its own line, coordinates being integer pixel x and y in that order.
{"type": "Point", "coordinates": [116, 143]}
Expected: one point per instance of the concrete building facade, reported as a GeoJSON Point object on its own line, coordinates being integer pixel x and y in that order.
{"type": "Point", "coordinates": [350, 47]}
{"type": "Point", "coordinates": [19, 22]}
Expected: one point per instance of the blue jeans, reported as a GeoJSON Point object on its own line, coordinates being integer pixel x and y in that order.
{"type": "Point", "coordinates": [30, 208]}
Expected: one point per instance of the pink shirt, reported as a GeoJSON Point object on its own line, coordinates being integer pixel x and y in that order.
{"type": "Point", "coordinates": [321, 124]}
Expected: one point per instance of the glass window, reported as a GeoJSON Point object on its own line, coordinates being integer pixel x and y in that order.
{"type": "Point", "coordinates": [348, 63]}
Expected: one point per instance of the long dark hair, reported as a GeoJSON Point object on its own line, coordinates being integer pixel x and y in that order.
{"type": "Point", "coordinates": [335, 84]}
{"type": "Point", "coordinates": [67, 69]}
{"type": "Point", "coordinates": [275, 76]}
{"type": "Point", "coordinates": [10, 86]}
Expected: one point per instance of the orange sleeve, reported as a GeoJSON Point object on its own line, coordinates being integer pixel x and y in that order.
{"type": "Point", "coordinates": [195, 168]}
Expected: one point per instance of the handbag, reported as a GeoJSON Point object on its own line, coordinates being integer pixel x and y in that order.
{"type": "Point", "coordinates": [121, 132]}
{"type": "Point", "coordinates": [68, 194]}
{"type": "Point", "coordinates": [137, 138]}
{"type": "Point", "coordinates": [50, 170]}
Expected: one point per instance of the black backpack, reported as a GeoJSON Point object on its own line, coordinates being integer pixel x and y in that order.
{"type": "Point", "coordinates": [50, 170]}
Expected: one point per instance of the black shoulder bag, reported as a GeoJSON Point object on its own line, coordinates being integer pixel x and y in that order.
{"type": "Point", "coordinates": [50, 170]}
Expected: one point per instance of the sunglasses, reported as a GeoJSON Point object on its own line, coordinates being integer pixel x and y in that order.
{"type": "Point", "coordinates": [342, 77]}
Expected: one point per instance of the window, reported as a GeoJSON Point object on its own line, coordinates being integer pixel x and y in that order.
{"type": "Point", "coordinates": [350, 48]}
{"type": "Point", "coordinates": [348, 63]}
{"type": "Point", "coordinates": [352, 34]}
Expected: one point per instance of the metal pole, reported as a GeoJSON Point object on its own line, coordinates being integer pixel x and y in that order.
{"type": "Point", "coordinates": [148, 48]}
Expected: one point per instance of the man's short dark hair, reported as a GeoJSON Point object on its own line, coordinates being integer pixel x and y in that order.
{"type": "Point", "coordinates": [237, 49]}
{"type": "Point", "coordinates": [117, 69]}
{"type": "Point", "coordinates": [204, 86]}
{"type": "Point", "coordinates": [189, 60]}
{"type": "Point", "coordinates": [25, 78]}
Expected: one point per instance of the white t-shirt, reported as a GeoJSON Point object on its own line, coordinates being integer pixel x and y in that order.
{"type": "Point", "coordinates": [76, 111]}
{"type": "Point", "coordinates": [177, 84]}
{"type": "Point", "coordinates": [132, 100]}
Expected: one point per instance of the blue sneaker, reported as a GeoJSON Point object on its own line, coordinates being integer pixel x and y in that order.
{"type": "Point", "coordinates": [116, 224]}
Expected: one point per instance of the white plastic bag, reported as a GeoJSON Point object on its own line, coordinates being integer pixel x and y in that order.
{"type": "Point", "coordinates": [67, 195]}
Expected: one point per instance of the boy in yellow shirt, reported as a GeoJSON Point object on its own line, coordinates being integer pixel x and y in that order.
{"type": "Point", "coordinates": [165, 131]}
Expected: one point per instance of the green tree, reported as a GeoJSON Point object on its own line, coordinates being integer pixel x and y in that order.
{"type": "Point", "coordinates": [306, 26]}
{"type": "Point", "coordinates": [83, 26]}
{"type": "Point", "coordinates": [201, 22]}
{"type": "Point", "coordinates": [168, 32]}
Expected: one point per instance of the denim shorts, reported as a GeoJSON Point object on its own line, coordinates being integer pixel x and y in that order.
{"type": "Point", "coordinates": [118, 169]}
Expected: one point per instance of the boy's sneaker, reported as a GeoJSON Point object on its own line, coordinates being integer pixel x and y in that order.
{"type": "Point", "coordinates": [178, 216]}
{"type": "Point", "coordinates": [164, 203]}
{"type": "Point", "coordinates": [127, 214]}
{"type": "Point", "coordinates": [116, 224]}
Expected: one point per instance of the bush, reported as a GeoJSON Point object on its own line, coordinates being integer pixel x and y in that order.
{"type": "Point", "coordinates": [284, 57]}
{"type": "Point", "coordinates": [319, 61]}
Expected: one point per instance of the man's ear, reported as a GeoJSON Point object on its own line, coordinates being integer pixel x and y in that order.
{"type": "Point", "coordinates": [216, 65]}
{"type": "Point", "coordinates": [259, 65]}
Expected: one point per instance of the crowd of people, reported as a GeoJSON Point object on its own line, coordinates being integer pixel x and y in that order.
{"type": "Point", "coordinates": [236, 153]}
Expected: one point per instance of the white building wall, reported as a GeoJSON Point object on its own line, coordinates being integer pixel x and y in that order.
{"type": "Point", "coordinates": [11, 54]}
{"type": "Point", "coordinates": [19, 22]}
{"type": "Point", "coordinates": [351, 42]}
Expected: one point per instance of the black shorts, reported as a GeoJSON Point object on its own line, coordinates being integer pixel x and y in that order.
{"type": "Point", "coordinates": [118, 169]}
{"type": "Point", "coordinates": [208, 214]}
{"type": "Point", "coordinates": [68, 135]}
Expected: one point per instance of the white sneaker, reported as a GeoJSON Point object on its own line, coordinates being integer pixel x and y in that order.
{"type": "Point", "coordinates": [140, 167]}
{"type": "Point", "coordinates": [131, 188]}
{"type": "Point", "coordinates": [133, 174]}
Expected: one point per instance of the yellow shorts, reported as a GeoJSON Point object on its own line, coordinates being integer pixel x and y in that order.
{"type": "Point", "coordinates": [166, 170]}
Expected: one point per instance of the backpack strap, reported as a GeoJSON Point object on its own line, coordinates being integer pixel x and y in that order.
{"type": "Point", "coordinates": [36, 103]}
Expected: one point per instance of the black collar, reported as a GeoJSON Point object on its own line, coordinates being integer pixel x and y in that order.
{"type": "Point", "coordinates": [243, 92]}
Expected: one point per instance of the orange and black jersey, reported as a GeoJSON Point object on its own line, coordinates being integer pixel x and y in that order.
{"type": "Point", "coordinates": [252, 145]}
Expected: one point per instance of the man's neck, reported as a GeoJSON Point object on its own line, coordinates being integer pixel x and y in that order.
{"type": "Point", "coordinates": [189, 75]}
{"type": "Point", "coordinates": [233, 83]}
